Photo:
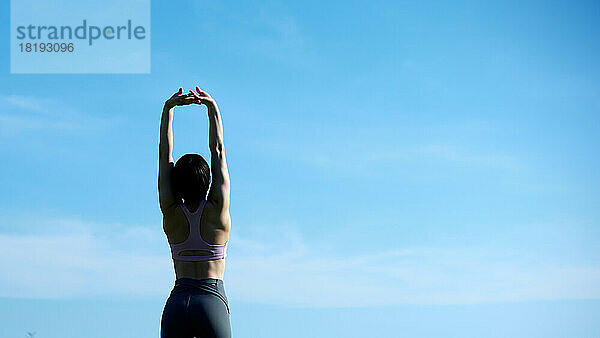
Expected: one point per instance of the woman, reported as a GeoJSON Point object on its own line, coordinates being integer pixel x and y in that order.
{"type": "Point", "coordinates": [197, 227]}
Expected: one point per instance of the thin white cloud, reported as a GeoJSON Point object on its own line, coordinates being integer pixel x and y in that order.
{"type": "Point", "coordinates": [362, 151]}
{"type": "Point", "coordinates": [282, 268]}
{"type": "Point", "coordinates": [450, 153]}
{"type": "Point", "coordinates": [34, 104]}
{"type": "Point", "coordinates": [283, 39]}
{"type": "Point", "coordinates": [270, 31]}
{"type": "Point", "coordinates": [408, 276]}
{"type": "Point", "coordinates": [29, 113]}
{"type": "Point", "coordinates": [335, 159]}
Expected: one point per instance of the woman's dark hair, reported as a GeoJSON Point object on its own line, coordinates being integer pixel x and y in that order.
{"type": "Point", "coordinates": [191, 177]}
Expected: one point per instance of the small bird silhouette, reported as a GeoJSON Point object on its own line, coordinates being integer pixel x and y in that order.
{"type": "Point", "coordinates": [31, 335]}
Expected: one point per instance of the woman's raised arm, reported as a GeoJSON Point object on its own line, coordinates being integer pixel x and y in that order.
{"type": "Point", "coordinates": [218, 195]}
{"type": "Point", "coordinates": [165, 148]}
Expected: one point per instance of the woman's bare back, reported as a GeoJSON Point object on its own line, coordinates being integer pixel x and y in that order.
{"type": "Point", "coordinates": [176, 227]}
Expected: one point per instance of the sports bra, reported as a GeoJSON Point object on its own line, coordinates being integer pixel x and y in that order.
{"type": "Point", "coordinates": [195, 241]}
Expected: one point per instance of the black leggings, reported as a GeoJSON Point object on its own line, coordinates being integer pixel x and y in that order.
{"type": "Point", "coordinates": [196, 308]}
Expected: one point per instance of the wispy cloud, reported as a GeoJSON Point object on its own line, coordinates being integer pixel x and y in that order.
{"type": "Point", "coordinates": [27, 103]}
{"type": "Point", "coordinates": [282, 268]}
{"type": "Point", "coordinates": [366, 159]}
{"type": "Point", "coordinates": [302, 275]}
{"type": "Point", "coordinates": [74, 260]}
{"type": "Point", "coordinates": [361, 150]}
{"type": "Point", "coordinates": [266, 29]}
{"type": "Point", "coordinates": [452, 153]}
{"type": "Point", "coordinates": [282, 38]}
{"type": "Point", "coordinates": [29, 113]}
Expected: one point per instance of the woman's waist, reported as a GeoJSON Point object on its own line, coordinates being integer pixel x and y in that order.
{"type": "Point", "coordinates": [199, 270]}
{"type": "Point", "coordinates": [210, 284]}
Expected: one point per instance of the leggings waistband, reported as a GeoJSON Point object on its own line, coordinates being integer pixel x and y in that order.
{"type": "Point", "coordinates": [193, 281]}
{"type": "Point", "coordinates": [214, 286]}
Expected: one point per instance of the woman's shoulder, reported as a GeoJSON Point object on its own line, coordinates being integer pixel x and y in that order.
{"type": "Point", "coordinates": [217, 216]}
{"type": "Point", "coordinates": [172, 211]}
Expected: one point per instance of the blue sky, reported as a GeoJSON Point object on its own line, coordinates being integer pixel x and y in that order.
{"type": "Point", "coordinates": [417, 168]}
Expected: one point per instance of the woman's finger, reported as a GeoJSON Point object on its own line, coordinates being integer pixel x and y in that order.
{"type": "Point", "coordinates": [201, 92]}
{"type": "Point", "coordinates": [182, 98]}
{"type": "Point", "coordinates": [194, 95]}
{"type": "Point", "coordinates": [179, 92]}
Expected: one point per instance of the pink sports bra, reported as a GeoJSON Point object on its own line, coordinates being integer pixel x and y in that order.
{"type": "Point", "coordinates": [195, 241]}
